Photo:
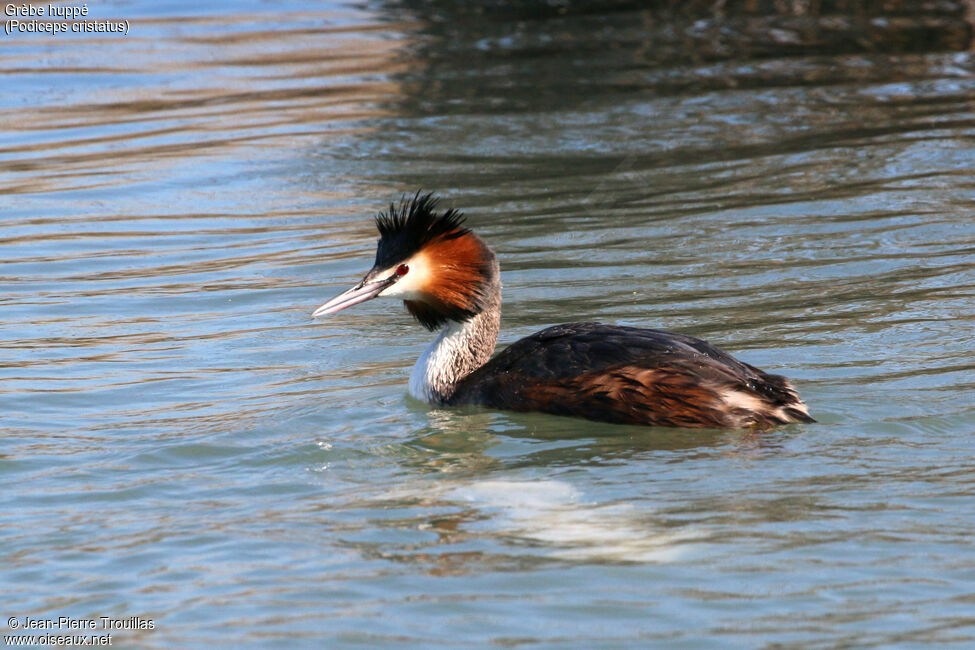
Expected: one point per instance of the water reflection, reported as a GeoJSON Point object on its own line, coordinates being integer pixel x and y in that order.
{"type": "Point", "coordinates": [463, 442]}
{"type": "Point", "coordinates": [581, 51]}
{"type": "Point", "coordinates": [467, 486]}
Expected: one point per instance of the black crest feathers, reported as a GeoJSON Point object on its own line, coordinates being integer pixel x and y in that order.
{"type": "Point", "coordinates": [408, 227]}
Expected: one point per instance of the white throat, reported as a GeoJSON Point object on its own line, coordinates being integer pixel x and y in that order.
{"type": "Point", "coordinates": [459, 350]}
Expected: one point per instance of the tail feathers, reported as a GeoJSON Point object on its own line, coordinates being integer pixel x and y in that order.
{"type": "Point", "coordinates": [769, 401]}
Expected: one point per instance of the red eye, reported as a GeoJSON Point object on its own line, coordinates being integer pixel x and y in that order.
{"type": "Point", "coordinates": [402, 269]}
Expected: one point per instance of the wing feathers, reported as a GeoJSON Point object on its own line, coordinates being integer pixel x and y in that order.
{"type": "Point", "coordinates": [631, 375]}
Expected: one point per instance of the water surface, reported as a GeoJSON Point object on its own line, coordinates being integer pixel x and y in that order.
{"type": "Point", "coordinates": [183, 443]}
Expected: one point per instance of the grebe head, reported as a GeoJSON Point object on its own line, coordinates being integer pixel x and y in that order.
{"type": "Point", "coordinates": [440, 269]}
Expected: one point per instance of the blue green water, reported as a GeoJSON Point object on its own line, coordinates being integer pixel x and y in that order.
{"type": "Point", "coordinates": [182, 443]}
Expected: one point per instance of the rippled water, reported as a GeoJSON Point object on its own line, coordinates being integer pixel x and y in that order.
{"type": "Point", "coordinates": [182, 442]}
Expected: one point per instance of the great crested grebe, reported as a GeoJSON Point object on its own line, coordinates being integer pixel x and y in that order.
{"type": "Point", "coordinates": [449, 280]}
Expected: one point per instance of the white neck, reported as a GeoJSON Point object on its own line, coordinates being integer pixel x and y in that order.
{"type": "Point", "coordinates": [459, 350]}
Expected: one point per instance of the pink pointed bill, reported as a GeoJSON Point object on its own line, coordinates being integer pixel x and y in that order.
{"type": "Point", "coordinates": [360, 293]}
